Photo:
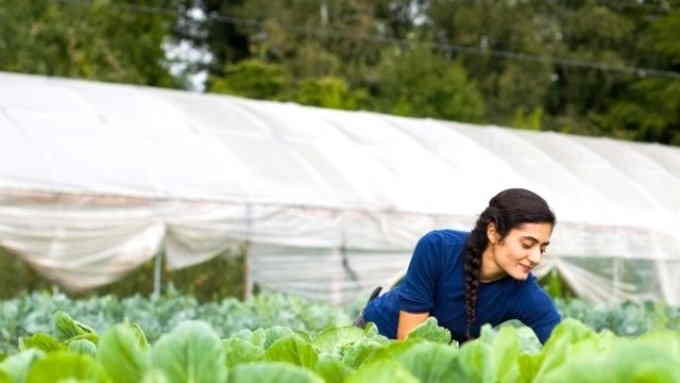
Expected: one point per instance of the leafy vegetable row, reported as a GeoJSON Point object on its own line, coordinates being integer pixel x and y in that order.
{"type": "Point", "coordinates": [194, 352]}
{"type": "Point", "coordinates": [32, 314]}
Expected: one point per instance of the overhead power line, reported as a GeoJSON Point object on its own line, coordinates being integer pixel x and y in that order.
{"type": "Point", "coordinates": [662, 7]}
{"type": "Point", "coordinates": [465, 50]}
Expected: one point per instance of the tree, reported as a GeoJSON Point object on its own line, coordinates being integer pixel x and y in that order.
{"type": "Point", "coordinates": [422, 83]}
{"type": "Point", "coordinates": [484, 26]}
{"type": "Point", "coordinates": [258, 79]}
{"type": "Point", "coordinates": [253, 78]}
{"type": "Point", "coordinates": [99, 40]}
{"type": "Point", "coordinates": [328, 92]}
{"type": "Point", "coordinates": [311, 38]}
{"type": "Point", "coordinates": [591, 33]}
{"type": "Point", "coordinates": [649, 109]}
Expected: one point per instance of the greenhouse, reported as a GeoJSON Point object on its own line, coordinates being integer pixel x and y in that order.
{"type": "Point", "coordinates": [96, 179]}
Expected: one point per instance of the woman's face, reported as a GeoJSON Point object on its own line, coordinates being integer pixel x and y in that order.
{"type": "Point", "coordinates": [522, 249]}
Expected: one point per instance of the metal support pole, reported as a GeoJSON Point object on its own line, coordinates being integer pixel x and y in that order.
{"type": "Point", "coordinates": [345, 261]}
{"type": "Point", "coordinates": [247, 266]}
{"type": "Point", "coordinates": [158, 273]}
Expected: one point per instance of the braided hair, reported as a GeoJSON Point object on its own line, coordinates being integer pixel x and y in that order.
{"type": "Point", "coordinates": [507, 210]}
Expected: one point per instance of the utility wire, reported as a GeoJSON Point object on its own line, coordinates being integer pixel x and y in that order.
{"type": "Point", "coordinates": [663, 7]}
{"type": "Point", "coordinates": [465, 50]}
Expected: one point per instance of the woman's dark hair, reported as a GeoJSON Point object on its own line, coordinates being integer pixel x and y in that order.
{"type": "Point", "coordinates": [508, 210]}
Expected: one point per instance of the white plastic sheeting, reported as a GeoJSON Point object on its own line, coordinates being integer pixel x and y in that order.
{"type": "Point", "coordinates": [97, 178]}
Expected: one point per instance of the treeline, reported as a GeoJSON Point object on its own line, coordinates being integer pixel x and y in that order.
{"type": "Point", "coordinates": [595, 67]}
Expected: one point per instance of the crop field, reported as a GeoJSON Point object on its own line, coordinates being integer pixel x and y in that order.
{"type": "Point", "coordinates": [277, 338]}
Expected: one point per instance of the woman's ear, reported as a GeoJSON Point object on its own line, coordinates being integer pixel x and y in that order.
{"type": "Point", "coordinates": [491, 233]}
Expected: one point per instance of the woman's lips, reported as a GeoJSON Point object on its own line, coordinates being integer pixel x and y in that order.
{"type": "Point", "coordinates": [526, 269]}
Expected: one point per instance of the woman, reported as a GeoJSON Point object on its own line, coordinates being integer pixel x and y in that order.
{"type": "Point", "coordinates": [468, 279]}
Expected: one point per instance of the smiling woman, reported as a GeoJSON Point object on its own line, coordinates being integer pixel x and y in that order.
{"type": "Point", "coordinates": [465, 280]}
{"type": "Point", "coordinates": [516, 254]}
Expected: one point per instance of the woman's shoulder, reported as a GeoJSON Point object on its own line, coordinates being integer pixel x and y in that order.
{"type": "Point", "coordinates": [448, 243]}
{"type": "Point", "coordinates": [446, 236]}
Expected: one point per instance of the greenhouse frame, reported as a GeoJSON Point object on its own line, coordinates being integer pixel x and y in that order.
{"type": "Point", "coordinates": [97, 178]}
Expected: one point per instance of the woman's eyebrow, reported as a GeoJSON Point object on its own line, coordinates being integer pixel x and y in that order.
{"type": "Point", "coordinates": [534, 240]}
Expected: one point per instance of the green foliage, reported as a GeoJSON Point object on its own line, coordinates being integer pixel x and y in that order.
{"type": "Point", "coordinates": [239, 350]}
{"type": "Point", "coordinates": [332, 370]}
{"type": "Point", "coordinates": [67, 328]}
{"type": "Point", "coordinates": [122, 354]}
{"type": "Point", "coordinates": [154, 376]}
{"type": "Point", "coordinates": [557, 349]}
{"type": "Point", "coordinates": [252, 78]}
{"type": "Point", "coordinates": [66, 366]}
{"type": "Point", "coordinates": [628, 318]}
{"type": "Point", "coordinates": [528, 121]}
{"type": "Point", "coordinates": [267, 318]}
{"type": "Point", "coordinates": [499, 70]}
{"type": "Point", "coordinates": [334, 338]}
{"type": "Point", "coordinates": [356, 353]}
{"type": "Point", "coordinates": [328, 92]}
{"type": "Point", "coordinates": [293, 350]}
{"type": "Point", "coordinates": [432, 363]}
{"type": "Point", "coordinates": [555, 286]}
{"type": "Point", "coordinates": [384, 371]}
{"type": "Point", "coordinates": [269, 81]}
{"type": "Point", "coordinates": [41, 342]}
{"type": "Point", "coordinates": [83, 346]}
{"type": "Point", "coordinates": [16, 277]}
{"type": "Point", "coordinates": [219, 278]}
{"type": "Point", "coordinates": [421, 83]}
{"type": "Point", "coordinates": [274, 372]}
{"type": "Point", "coordinates": [430, 330]}
{"type": "Point", "coordinates": [192, 353]}
{"type": "Point", "coordinates": [493, 357]}
{"type": "Point", "coordinates": [650, 112]}
{"type": "Point", "coordinates": [93, 40]}
{"type": "Point", "coordinates": [577, 354]}
{"type": "Point", "coordinates": [34, 313]}
{"type": "Point", "coordinates": [18, 365]}
{"type": "Point", "coordinates": [506, 84]}
{"type": "Point", "coordinates": [295, 34]}
{"type": "Point", "coordinates": [267, 337]}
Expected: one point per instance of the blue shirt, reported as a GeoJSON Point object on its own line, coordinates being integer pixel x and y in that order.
{"type": "Point", "coordinates": [434, 283]}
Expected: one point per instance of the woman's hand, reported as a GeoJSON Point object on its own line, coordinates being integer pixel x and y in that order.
{"type": "Point", "coordinates": [409, 321]}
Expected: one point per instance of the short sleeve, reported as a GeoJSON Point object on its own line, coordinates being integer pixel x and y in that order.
{"type": "Point", "coordinates": [537, 310]}
{"type": "Point", "coordinates": [416, 293]}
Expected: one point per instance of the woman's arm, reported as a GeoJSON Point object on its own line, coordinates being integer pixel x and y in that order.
{"type": "Point", "coordinates": [409, 321]}
{"type": "Point", "coordinates": [416, 292]}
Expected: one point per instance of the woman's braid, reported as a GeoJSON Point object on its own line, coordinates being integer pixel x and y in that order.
{"type": "Point", "coordinates": [475, 246]}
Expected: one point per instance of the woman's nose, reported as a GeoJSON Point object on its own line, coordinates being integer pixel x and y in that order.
{"type": "Point", "coordinates": [535, 257]}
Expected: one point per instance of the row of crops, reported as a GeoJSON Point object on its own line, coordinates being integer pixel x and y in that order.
{"type": "Point", "coordinates": [277, 338]}
{"type": "Point", "coordinates": [33, 313]}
